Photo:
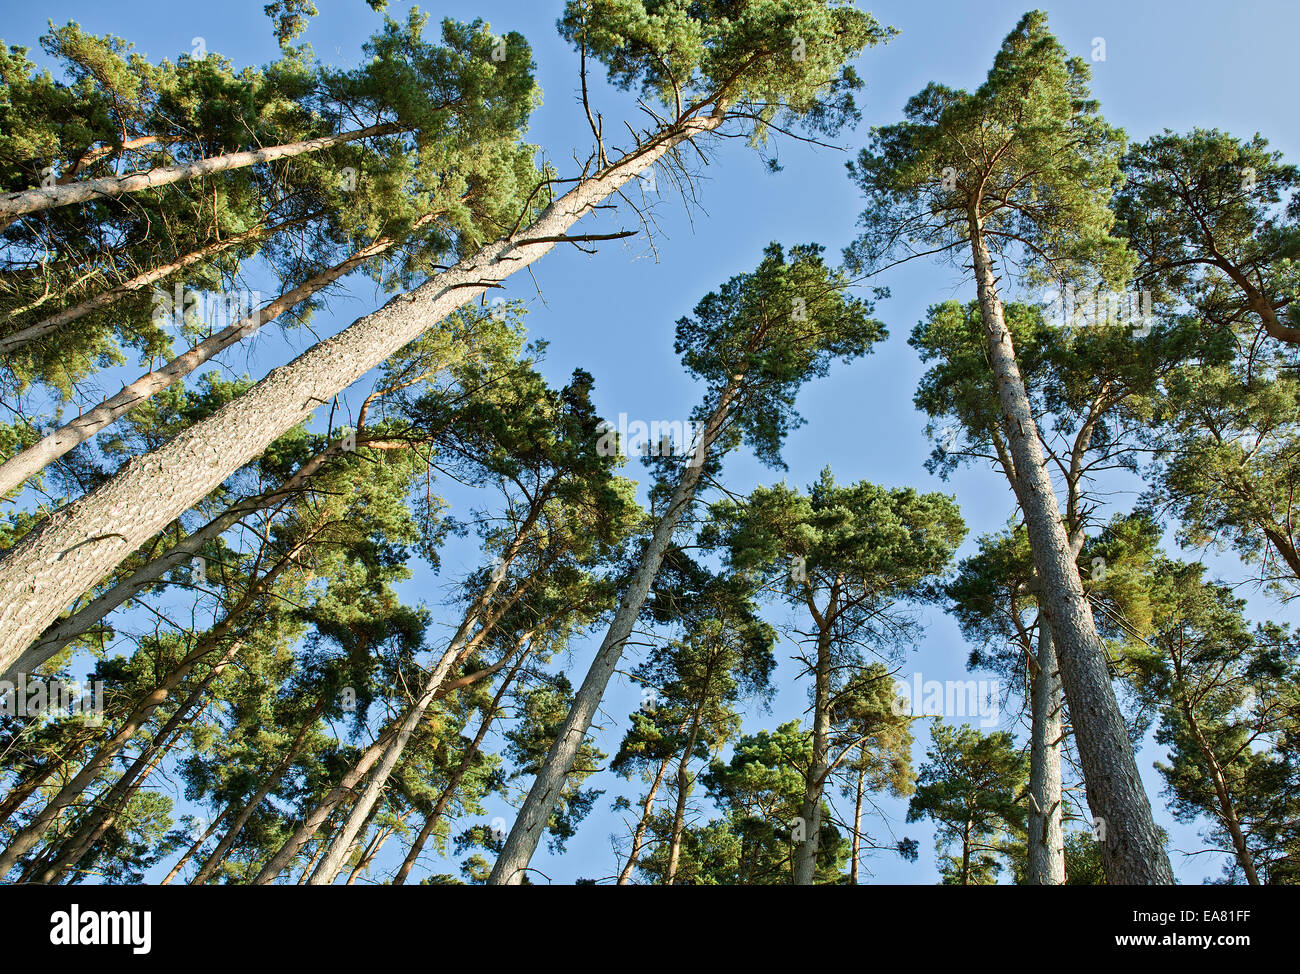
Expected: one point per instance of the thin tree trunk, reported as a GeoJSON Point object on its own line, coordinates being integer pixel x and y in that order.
{"type": "Point", "coordinates": [683, 793]}
{"type": "Point", "coordinates": [638, 836]}
{"type": "Point", "coordinates": [457, 776]}
{"type": "Point", "coordinates": [1046, 855]}
{"type": "Point", "coordinates": [521, 843]}
{"type": "Point", "coordinates": [1132, 852]}
{"type": "Point", "coordinates": [48, 197]}
{"type": "Point", "coordinates": [21, 466]}
{"type": "Point", "coordinates": [29, 836]}
{"type": "Point", "coordinates": [460, 645]}
{"type": "Point", "coordinates": [377, 843]}
{"type": "Point", "coordinates": [806, 851]}
{"type": "Point", "coordinates": [24, 336]}
{"type": "Point", "coordinates": [323, 810]}
{"type": "Point", "coordinates": [190, 852]}
{"type": "Point", "coordinates": [101, 819]}
{"type": "Point", "coordinates": [23, 789]}
{"type": "Point", "coordinates": [77, 546]}
{"type": "Point", "coordinates": [246, 810]}
{"type": "Point", "coordinates": [856, 852]}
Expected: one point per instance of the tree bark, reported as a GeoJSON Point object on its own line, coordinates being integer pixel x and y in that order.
{"type": "Point", "coordinates": [521, 843]}
{"type": "Point", "coordinates": [805, 862]}
{"type": "Point", "coordinates": [1046, 856]}
{"type": "Point", "coordinates": [1132, 852]}
{"type": "Point", "coordinates": [77, 546]}
{"type": "Point", "coordinates": [31, 461]}
{"type": "Point", "coordinates": [48, 197]}
{"type": "Point", "coordinates": [856, 852]}
{"type": "Point", "coordinates": [324, 809]}
{"type": "Point", "coordinates": [246, 810]}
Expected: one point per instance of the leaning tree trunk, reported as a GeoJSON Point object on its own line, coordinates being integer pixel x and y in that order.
{"type": "Point", "coordinates": [110, 805]}
{"type": "Point", "coordinates": [30, 333]}
{"type": "Point", "coordinates": [1131, 850]}
{"type": "Point", "coordinates": [805, 861]}
{"type": "Point", "coordinates": [521, 843]}
{"type": "Point", "coordinates": [246, 811]}
{"type": "Point", "coordinates": [31, 461]}
{"type": "Point", "coordinates": [47, 197]}
{"type": "Point", "coordinates": [458, 775]}
{"type": "Point", "coordinates": [77, 546]}
{"type": "Point", "coordinates": [1046, 839]}
{"type": "Point", "coordinates": [59, 635]}
{"type": "Point", "coordinates": [459, 647]}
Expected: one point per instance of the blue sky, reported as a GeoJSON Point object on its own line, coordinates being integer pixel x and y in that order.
{"type": "Point", "coordinates": [1167, 65]}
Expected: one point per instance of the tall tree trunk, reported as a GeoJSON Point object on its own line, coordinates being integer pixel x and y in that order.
{"type": "Point", "coordinates": [29, 836]}
{"type": "Point", "coordinates": [856, 852]}
{"type": "Point", "coordinates": [539, 805]}
{"type": "Point", "coordinates": [457, 775]}
{"type": "Point", "coordinates": [21, 466]}
{"type": "Point", "coordinates": [193, 849]}
{"type": "Point", "coordinates": [638, 835]}
{"type": "Point", "coordinates": [683, 793]}
{"type": "Point", "coordinates": [1046, 865]}
{"type": "Point", "coordinates": [47, 197]}
{"type": "Point", "coordinates": [1131, 852]}
{"type": "Point", "coordinates": [265, 788]}
{"type": "Point", "coordinates": [110, 805]}
{"type": "Point", "coordinates": [23, 336]}
{"type": "Point", "coordinates": [805, 863]}
{"type": "Point", "coordinates": [78, 545]}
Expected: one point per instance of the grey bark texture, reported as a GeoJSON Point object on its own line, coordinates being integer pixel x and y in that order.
{"type": "Point", "coordinates": [1131, 850]}
{"type": "Point", "coordinates": [1046, 860]}
{"type": "Point", "coordinates": [77, 546]}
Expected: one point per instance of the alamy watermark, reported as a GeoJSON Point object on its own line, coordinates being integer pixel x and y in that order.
{"type": "Point", "coordinates": [27, 696]}
{"type": "Point", "coordinates": [218, 309]}
{"type": "Point", "coordinates": [1073, 308]}
{"type": "Point", "coordinates": [948, 698]}
{"type": "Point", "coordinates": [657, 438]}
